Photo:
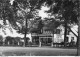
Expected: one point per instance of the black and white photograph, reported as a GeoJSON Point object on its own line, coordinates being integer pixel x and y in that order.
{"type": "Point", "coordinates": [39, 27]}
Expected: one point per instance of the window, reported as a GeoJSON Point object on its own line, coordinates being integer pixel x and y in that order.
{"type": "Point", "coordinates": [72, 38]}
{"type": "Point", "coordinates": [58, 31]}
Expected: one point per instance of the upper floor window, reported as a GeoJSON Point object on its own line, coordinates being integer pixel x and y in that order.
{"type": "Point", "coordinates": [57, 31]}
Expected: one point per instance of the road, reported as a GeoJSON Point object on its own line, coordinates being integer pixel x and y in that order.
{"type": "Point", "coordinates": [36, 51]}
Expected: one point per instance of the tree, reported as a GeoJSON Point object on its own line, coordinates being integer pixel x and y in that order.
{"type": "Point", "coordinates": [69, 15]}
{"type": "Point", "coordinates": [27, 9]}
{"type": "Point", "coordinates": [67, 11]}
{"type": "Point", "coordinates": [18, 12]}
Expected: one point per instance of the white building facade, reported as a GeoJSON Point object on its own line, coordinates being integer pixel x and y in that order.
{"type": "Point", "coordinates": [59, 37]}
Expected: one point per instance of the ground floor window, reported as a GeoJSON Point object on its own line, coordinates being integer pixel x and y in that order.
{"type": "Point", "coordinates": [35, 40]}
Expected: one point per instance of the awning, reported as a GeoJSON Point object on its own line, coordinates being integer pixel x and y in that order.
{"type": "Point", "coordinates": [44, 35]}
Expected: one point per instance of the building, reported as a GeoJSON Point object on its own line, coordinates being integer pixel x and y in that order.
{"type": "Point", "coordinates": [72, 34]}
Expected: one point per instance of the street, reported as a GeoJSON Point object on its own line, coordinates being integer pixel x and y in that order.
{"type": "Point", "coordinates": [37, 51]}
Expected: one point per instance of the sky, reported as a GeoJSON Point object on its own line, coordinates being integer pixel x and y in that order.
{"type": "Point", "coordinates": [11, 2]}
{"type": "Point", "coordinates": [42, 12]}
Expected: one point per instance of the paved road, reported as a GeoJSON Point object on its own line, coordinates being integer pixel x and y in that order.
{"type": "Point", "coordinates": [36, 51]}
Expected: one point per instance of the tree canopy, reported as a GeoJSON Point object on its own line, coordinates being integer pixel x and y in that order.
{"type": "Point", "coordinates": [21, 10]}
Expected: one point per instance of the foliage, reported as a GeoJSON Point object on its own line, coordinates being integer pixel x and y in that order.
{"type": "Point", "coordinates": [67, 8]}
{"type": "Point", "coordinates": [24, 9]}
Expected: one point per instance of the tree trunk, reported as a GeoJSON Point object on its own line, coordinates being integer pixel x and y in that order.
{"type": "Point", "coordinates": [25, 33]}
{"type": "Point", "coordinates": [78, 39]}
{"type": "Point", "coordinates": [65, 33]}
